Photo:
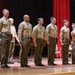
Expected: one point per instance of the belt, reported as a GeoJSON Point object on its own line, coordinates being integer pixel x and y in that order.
{"type": "Point", "coordinates": [51, 38]}
{"type": "Point", "coordinates": [65, 39]}
{"type": "Point", "coordinates": [74, 41]}
{"type": "Point", "coordinates": [5, 34]}
{"type": "Point", "coordinates": [26, 38]}
{"type": "Point", "coordinates": [39, 39]}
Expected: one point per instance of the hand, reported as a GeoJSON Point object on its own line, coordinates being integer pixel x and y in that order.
{"type": "Point", "coordinates": [62, 44]}
{"type": "Point", "coordinates": [71, 42]}
{"type": "Point", "coordinates": [56, 40]}
{"type": "Point", "coordinates": [0, 41]}
{"type": "Point", "coordinates": [35, 45]}
{"type": "Point", "coordinates": [20, 43]}
{"type": "Point", "coordinates": [44, 42]}
{"type": "Point", "coordinates": [48, 42]}
{"type": "Point", "coordinates": [32, 42]}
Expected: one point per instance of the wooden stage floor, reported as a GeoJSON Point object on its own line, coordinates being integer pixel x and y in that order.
{"type": "Point", "coordinates": [34, 70]}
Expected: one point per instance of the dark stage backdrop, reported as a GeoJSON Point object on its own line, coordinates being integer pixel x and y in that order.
{"type": "Point", "coordinates": [72, 12]}
{"type": "Point", "coordinates": [34, 8]}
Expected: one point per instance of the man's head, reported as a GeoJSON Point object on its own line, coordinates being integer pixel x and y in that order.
{"type": "Point", "coordinates": [26, 18]}
{"type": "Point", "coordinates": [11, 21]}
{"type": "Point", "coordinates": [40, 21]}
{"type": "Point", "coordinates": [73, 25]}
{"type": "Point", "coordinates": [5, 13]}
{"type": "Point", "coordinates": [53, 20]}
{"type": "Point", "coordinates": [66, 23]}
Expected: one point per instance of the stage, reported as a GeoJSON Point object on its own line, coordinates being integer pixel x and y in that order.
{"type": "Point", "coordinates": [34, 70]}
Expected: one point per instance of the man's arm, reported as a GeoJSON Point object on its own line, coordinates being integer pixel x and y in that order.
{"type": "Point", "coordinates": [15, 35]}
{"type": "Point", "coordinates": [34, 33]}
{"type": "Point", "coordinates": [73, 34]}
{"type": "Point", "coordinates": [61, 35]}
{"type": "Point", "coordinates": [1, 25]}
{"type": "Point", "coordinates": [31, 31]}
{"type": "Point", "coordinates": [45, 37]}
{"type": "Point", "coordinates": [56, 32]}
{"type": "Point", "coordinates": [20, 32]}
{"type": "Point", "coordinates": [47, 34]}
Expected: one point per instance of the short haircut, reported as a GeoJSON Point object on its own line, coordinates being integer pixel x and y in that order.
{"type": "Point", "coordinates": [11, 19]}
{"type": "Point", "coordinates": [40, 19]}
{"type": "Point", "coordinates": [52, 18]}
{"type": "Point", "coordinates": [73, 24]}
{"type": "Point", "coordinates": [4, 10]}
{"type": "Point", "coordinates": [65, 21]}
{"type": "Point", "coordinates": [25, 16]}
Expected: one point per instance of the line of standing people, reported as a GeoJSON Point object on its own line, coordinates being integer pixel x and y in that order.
{"type": "Point", "coordinates": [39, 36]}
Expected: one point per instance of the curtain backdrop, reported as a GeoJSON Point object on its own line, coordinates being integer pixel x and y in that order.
{"type": "Point", "coordinates": [61, 10]}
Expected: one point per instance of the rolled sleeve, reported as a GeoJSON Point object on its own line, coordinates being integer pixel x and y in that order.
{"type": "Point", "coordinates": [1, 25]}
